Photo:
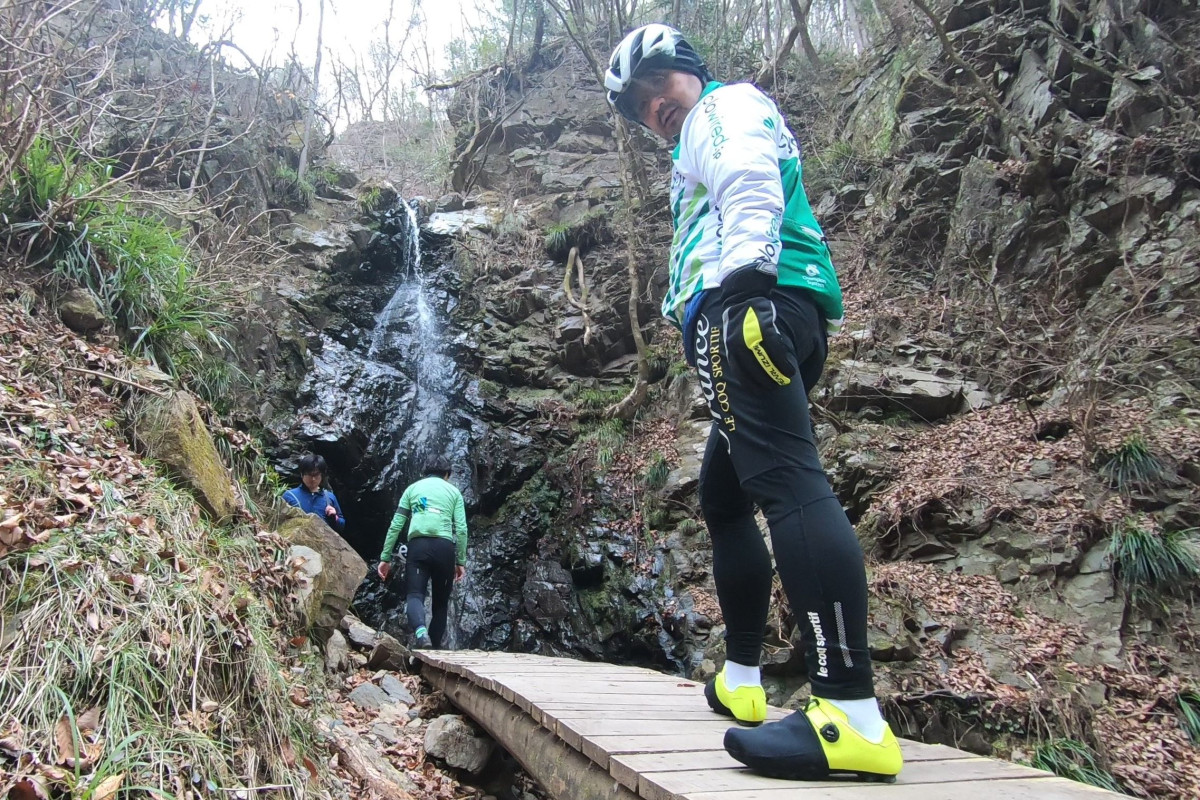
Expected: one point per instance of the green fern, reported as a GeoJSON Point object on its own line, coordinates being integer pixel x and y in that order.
{"type": "Point", "coordinates": [1149, 561]}
{"type": "Point", "coordinates": [1070, 758]}
{"type": "Point", "coordinates": [688, 527]}
{"type": "Point", "coordinates": [1132, 466]}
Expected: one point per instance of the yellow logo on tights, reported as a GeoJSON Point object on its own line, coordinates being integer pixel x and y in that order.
{"type": "Point", "coordinates": [752, 334]}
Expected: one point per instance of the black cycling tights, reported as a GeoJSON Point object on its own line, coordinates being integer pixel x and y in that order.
{"type": "Point", "coordinates": [761, 451]}
{"type": "Point", "coordinates": [430, 559]}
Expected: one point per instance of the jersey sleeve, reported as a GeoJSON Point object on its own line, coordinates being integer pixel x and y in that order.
{"type": "Point", "coordinates": [460, 529]}
{"type": "Point", "coordinates": [732, 147]}
{"type": "Point", "coordinates": [341, 518]}
{"type": "Point", "coordinates": [399, 519]}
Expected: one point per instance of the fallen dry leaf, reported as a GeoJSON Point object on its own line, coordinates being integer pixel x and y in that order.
{"type": "Point", "coordinates": [108, 787]}
{"type": "Point", "coordinates": [287, 752]}
{"type": "Point", "coordinates": [64, 741]}
{"type": "Point", "coordinates": [31, 788]}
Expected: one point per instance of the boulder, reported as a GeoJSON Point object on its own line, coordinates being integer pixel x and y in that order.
{"type": "Point", "coordinates": [369, 697]}
{"type": "Point", "coordinates": [171, 431]}
{"type": "Point", "coordinates": [397, 690]}
{"type": "Point", "coordinates": [341, 571]}
{"type": "Point", "coordinates": [336, 651]}
{"type": "Point", "coordinates": [388, 653]}
{"type": "Point", "coordinates": [360, 634]}
{"type": "Point", "coordinates": [926, 395]}
{"type": "Point", "coordinates": [81, 312]}
{"type": "Point", "coordinates": [449, 223]}
{"type": "Point", "coordinates": [451, 739]}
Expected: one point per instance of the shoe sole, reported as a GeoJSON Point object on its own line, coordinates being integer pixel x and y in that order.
{"type": "Point", "coordinates": [771, 769]}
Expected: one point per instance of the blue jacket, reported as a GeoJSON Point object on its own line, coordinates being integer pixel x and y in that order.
{"type": "Point", "coordinates": [314, 503]}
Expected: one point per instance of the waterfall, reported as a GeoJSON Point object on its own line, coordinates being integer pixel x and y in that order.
{"type": "Point", "coordinates": [381, 394]}
{"type": "Point", "coordinates": [409, 337]}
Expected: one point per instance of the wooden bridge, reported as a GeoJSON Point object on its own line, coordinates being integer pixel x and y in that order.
{"type": "Point", "coordinates": [590, 731]}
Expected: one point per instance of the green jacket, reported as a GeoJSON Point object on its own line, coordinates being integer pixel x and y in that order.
{"type": "Point", "coordinates": [436, 508]}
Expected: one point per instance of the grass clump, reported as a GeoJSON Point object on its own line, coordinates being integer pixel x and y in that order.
{"type": "Point", "coordinates": [595, 399]}
{"type": "Point", "coordinates": [1148, 560]}
{"type": "Point", "coordinates": [585, 231]}
{"type": "Point", "coordinates": [1072, 759]}
{"type": "Point", "coordinates": [607, 438]}
{"type": "Point", "coordinates": [297, 192]}
{"type": "Point", "coordinates": [657, 472]}
{"type": "Point", "coordinates": [141, 651]}
{"type": "Point", "coordinates": [557, 239]}
{"type": "Point", "coordinates": [1189, 712]}
{"type": "Point", "coordinates": [1131, 466]}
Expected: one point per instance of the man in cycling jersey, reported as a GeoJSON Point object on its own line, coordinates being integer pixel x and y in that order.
{"type": "Point", "coordinates": [753, 288]}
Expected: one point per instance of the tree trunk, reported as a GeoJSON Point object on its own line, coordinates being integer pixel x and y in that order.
{"type": "Point", "coordinates": [308, 117]}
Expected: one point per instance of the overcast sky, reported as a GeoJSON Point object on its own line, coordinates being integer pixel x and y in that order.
{"type": "Point", "coordinates": [268, 27]}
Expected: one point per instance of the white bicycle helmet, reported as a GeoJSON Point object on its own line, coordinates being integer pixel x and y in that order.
{"type": "Point", "coordinates": [650, 46]}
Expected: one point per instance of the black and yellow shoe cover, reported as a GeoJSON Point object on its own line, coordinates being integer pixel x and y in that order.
{"type": "Point", "coordinates": [746, 704]}
{"type": "Point", "coordinates": [815, 744]}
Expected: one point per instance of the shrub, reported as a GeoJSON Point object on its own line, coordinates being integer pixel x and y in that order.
{"type": "Point", "coordinates": [1070, 758]}
{"type": "Point", "coordinates": [1148, 560]}
{"type": "Point", "coordinates": [1131, 466]}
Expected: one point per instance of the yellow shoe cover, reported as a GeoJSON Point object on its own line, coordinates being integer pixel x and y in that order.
{"type": "Point", "coordinates": [747, 704]}
{"type": "Point", "coordinates": [813, 745]}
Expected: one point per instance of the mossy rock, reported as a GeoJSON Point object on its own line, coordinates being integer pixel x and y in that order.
{"type": "Point", "coordinates": [171, 431]}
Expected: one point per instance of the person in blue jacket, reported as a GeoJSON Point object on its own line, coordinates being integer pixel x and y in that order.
{"type": "Point", "coordinates": [312, 497]}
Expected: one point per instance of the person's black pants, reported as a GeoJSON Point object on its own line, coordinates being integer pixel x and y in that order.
{"type": "Point", "coordinates": [430, 560]}
{"type": "Point", "coordinates": [762, 451]}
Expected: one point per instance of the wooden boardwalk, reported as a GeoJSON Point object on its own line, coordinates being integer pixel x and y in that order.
{"type": "Point", "coordinates": [589, 730]}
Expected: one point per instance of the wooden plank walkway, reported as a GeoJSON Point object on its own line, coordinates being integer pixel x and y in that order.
{"type": "Point", "coordinates": [654, 735]}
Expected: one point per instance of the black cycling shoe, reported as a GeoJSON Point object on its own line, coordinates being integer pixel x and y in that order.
{"type": "Point", "coordinates": [423, 643]}
{"type": "Point", "coordinates": [813, 745]}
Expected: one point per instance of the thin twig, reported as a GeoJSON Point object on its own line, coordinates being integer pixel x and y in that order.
{"type": "Point", "coordinates": [125, 381]}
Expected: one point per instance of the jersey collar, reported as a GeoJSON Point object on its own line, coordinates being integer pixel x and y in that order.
{"type": "Point", "coordinates": [708, 89]}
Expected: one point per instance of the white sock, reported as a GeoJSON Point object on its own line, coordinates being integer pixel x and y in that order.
{"type": "Point", "coordinates": [863, 715]}
{"type": "Point", "coordinates": [740, 675]}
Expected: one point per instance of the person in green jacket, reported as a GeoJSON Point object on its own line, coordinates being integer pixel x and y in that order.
{"type": "Point", "coordinates": [436, 517]}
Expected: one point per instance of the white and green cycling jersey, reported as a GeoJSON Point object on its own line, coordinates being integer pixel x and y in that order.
{"type": "Point", "coordinates": [737, 200]}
